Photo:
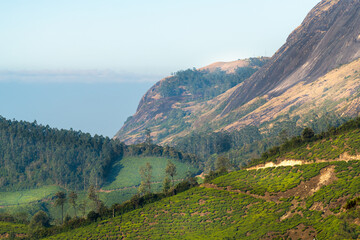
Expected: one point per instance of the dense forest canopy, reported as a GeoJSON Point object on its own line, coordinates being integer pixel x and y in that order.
{"type": "Point", "coordinates": [32, 155]}
{"type": "Point", "coordinates": [205, 84]}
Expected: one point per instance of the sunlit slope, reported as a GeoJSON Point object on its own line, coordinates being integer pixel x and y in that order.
{"type": "Point", "coordinates": [122, 183]}
{"type": "Point", "coordinates": [337, 144]}
{"type": "Point", "coordinates": [297, 202]}
{"type": "Point", "coordinates": [125, 173]}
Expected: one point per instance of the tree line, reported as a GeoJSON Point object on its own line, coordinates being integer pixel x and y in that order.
{"type": "Point", "coordinates": [33, 155]}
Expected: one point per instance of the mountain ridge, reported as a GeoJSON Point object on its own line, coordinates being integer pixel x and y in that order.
{"type": "Point", "coordinates": [328, 39]}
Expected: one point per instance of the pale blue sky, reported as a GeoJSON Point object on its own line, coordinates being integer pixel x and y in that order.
{"type": "Point", "coordinates": [152, 37]}
{"type": "Point", "coordinates": [85, 64]}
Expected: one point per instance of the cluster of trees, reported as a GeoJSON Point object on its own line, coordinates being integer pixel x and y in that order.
{"type": "Point", "coordinates": [145, 149]}
{"type": "Point", "coordinates": [40, 224]}
{"type": "Point", "coordinates": [222, 166]}
{"type": "Point", "coordinates": [146, 176]}
{"type": "Point", "coordinates": [32, 155]}
{"type": "Point", "coordinates": [203, 84]}
{"type": "Point", "coordinates": [206, 144]}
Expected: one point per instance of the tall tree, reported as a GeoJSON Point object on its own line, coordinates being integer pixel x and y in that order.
{"type": "Point", "coordinates": [148, 139]}
{"type": "Point", "coordinates": [92, 195]}
{"type": "Point", "coordinates": [170, 170]}
{"type": "Point", "coordinates": [82, 206]}
{"type": "Point", "coordinates": [166, 184]}
{"type": "Point", "coordinates": [72, 200]}
{"type": "Point", "coordinates": [60, 201]}
{"type": "Point", "coordinates": [222, 164]}
{"type": "Point", "coordinates": [146, 175]}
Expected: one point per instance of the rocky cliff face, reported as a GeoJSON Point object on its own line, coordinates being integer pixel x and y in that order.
{"type": "Point", "coordinates": [328, 38]}
{"type": "Point", "coordinates": [316, 70]}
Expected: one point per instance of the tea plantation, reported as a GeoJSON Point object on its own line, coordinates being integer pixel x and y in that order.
{"type": "Point", "coordinates": [224, 213]}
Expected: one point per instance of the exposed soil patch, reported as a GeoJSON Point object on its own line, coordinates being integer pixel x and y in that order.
{"type": "Point", "coordinates": [202, 202]}
{"type": "Point", "coordinates": [293, 162]}
{"type": "Point", "coordinates": [300, 232]}
{"type": "Point", "coordinates": [308, 188]}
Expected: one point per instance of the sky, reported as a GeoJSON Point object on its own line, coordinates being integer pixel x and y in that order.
{"type": "Point", "coordinates": [86, 63]}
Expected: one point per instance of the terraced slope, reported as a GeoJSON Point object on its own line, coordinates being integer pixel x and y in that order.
{"type": "Point", "coordinates": [11, 230]}
{"type": "Point", "coordinates": [285, 202]}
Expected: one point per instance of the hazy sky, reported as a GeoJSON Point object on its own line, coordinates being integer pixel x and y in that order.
{"type": "Point", "coordinates": [85, 64]}
{"type": "Point", "coordinates": [150, 37]}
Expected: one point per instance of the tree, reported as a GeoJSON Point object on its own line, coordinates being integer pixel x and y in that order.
{"type": "Point", "coordinates": [146, 175]}
{"type": "Point", "coordinates": [166, 184]}
{"type": "Point", "coordinates": [82, 206]}
{"type": "Point", "coordinates": [40, 219]}
{"type": "Point", "coordinates": [284, 136]}
{"type": "Point", "coordinates": [60, 201]}
{"type": "Point", "coordinates": [307, 134]}
{"type": "Point", "coordinates": [148, 139]}
{"type": "Point", "coordinates": [170, 170]}
{"type": "Point", "coordinates": [222, 164]}
{"type": "Point", "coordinates": [95, 198]}
{"type": "Point", "coordinates": [72, 200]}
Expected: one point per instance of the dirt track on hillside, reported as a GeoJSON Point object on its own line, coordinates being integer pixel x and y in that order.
{"type": "Point", "coordinates": [295, 162]}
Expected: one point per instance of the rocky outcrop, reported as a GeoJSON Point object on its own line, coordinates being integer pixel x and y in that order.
{"type": "Point", "coordinates": [327, 38]}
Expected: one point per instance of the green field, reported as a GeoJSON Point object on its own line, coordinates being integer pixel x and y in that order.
{"type": "Point", "coordinates": [125, 173]}
{"type": "Point", "coordinates": [210, 213]}
{"type": "Point", "coordinates": [123, 179]}
{"type": "Point", "coordinates": [27, 196]}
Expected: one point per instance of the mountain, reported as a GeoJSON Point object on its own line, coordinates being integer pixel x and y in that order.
{"type": "Point", "coordinates": [311, 191]}
{"type": "Point", "coordinates": [315, 74]}
{"type": "Point", "coordinates": [169, 107]}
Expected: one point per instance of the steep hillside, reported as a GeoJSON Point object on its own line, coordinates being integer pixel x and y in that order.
{"type": "Point", "coordinates": [303, 200]}
{"type": "Point", "coordinates": [289, 202]}
{"type": "Point", "coordinates": [170, 106]}
{"type": "Point", "coordinates": [337, 144]}
{"type": "Point", "coordinates": [327, 38]}
{"type": "Point", "coordinates": [316, 72]}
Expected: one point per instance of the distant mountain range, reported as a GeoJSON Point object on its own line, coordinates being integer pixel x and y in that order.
{"type": "Point", "coordinates": [316, 72]}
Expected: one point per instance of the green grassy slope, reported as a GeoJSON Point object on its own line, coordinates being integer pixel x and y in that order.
{"type": "Point", "coordinates": [270, 205]}
{"type": "Point", "coordinates": [125, 173]}
{"type": "Point", "coordinates": [27, 196]}
{"type": "Point", "coordinates": [341, 142]}
{"type": "Point", "coordinates": [121, 185]}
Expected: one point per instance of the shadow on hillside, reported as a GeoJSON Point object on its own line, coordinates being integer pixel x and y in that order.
{"type": "Point", "coordinates": [114, 172]}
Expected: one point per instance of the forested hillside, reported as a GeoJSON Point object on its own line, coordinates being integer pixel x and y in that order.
{"type": "Point", "coordinates": [32, 155]}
